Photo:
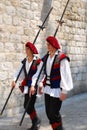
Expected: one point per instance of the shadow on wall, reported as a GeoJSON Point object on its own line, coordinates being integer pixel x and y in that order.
{"type": "Point", "coordinates": [47, 4]}
{"type": "Point", "coordinates": [86, 22]}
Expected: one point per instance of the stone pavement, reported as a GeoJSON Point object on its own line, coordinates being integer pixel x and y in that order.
{"type": "Point", "coordinates": [74, 113]}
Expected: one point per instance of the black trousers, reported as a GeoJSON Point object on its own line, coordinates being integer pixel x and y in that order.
{"type": "Point", "coordinates": [52, 106]}
{"type": "Point", "coordinates": [31, 106]}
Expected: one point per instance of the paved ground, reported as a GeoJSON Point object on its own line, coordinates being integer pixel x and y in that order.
{"type": "Point", "coordinates": [74, 113]}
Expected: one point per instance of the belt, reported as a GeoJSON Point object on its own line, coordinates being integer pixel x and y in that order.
{"type": "Point", "coordinates": [48, 84]}
{"type": "Point", "coordinates": [48, 77]}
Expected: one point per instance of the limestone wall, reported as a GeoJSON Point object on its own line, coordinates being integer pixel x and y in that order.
{"type": "Point", "coordinates": [18, 24]}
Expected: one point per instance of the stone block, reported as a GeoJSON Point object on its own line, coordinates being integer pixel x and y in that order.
{"type": "Point", "coordinates": [15, 38]}
{"type": "Point", "coordinates": [16, 20]}
{"type": "Point", "coordinates": [3, 75]}
{"type": "Point", "coordinates": [1, 21]}
{"type": "Point", "coordinates": [7, 19]}
{"type": "Point", "coordinates": [11, 10]}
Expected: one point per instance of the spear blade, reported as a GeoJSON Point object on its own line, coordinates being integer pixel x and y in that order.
{"type": "Point", "coordinates": [42, 26]}
{"type": "Point", "coordinates": [61, 18]}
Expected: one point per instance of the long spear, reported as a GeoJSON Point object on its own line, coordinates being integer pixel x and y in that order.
{"type": "Point", "coordinates": [61, 21]}
{"type": "Point", "coordinates": [31, 95]}
{"type": "Point", "coordinates": [40, 28]}
{"type": "Point", "coordinates": [12, 88]}
{"type": "Point", "coordinates": [43, 65]}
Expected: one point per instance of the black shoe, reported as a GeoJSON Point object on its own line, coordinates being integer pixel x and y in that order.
{"type": "Point", "coordinates": [59, 128]}
{"type": "Point", "coordinates": [31, 128]}
{"type": "Point", "coordinates": [35, 126]}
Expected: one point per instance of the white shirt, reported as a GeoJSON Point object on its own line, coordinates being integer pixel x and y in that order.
{"type": "Point", "coordinates": [22, 75]}
{"type": "Point", "coordinates": [66, 79]}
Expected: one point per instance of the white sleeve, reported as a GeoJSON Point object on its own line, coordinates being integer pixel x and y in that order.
{"type": "Point", "coordinates": [35, 76]}
{"type": "Point", "coordinates": [21, 77]}
{"type": "Point", "coordinates": [66, 78]}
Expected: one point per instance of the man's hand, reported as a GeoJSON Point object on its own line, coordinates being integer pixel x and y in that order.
{"type": "Point", "coordinates": [32, 91]}
{"type": "Point", "coordinates": [63, 96]}
{"type": "Point", "coordinates": [13, 84]}
{"type": "Point", "coordinates": [40, 90]}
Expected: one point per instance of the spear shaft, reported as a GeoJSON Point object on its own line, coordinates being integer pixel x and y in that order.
{"type": "Point", "coordinates": [40, 28]}
{"type": "Point", "coordinates": [61, 18]}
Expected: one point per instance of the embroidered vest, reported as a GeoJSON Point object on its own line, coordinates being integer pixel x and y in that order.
{"type": "Point", "coordinates": [55, 76]}
{"type": "Point", "coordinates": [28, 77]}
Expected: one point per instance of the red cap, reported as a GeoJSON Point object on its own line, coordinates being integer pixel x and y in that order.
{"type": "Point", "coordinates": [32, 47]}
{"type": "Point", "coordinates": [53, 41]}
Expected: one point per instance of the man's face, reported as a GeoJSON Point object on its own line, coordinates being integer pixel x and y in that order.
{"type": "Point", "coordinates": [28, 51]}
{"type": "Point", "coordinates": [50, 47]}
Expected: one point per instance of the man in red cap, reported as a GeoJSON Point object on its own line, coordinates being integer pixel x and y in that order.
{"type": "Point", "coordinates": [30, 67]}
{"type": "Point", "coordinates": [56, 79]}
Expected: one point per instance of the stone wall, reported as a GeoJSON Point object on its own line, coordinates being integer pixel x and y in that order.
{"type": "Point", "coordinates": [18, 24]}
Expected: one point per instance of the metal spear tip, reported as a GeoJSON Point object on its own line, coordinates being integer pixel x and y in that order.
{"type": "Point", "coordinates": [60, 22]}
{"type": "Point", "coordinates": [41, 27]}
